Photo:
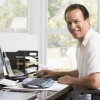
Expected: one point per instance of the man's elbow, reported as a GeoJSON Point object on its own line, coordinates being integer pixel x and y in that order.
{"type": "Point", "coordinates": [95, 85]}
{"type": "Point", "coordinates": [94, 80]}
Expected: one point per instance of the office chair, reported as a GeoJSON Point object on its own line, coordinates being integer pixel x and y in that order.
{"type": "Point", "coordinates": [95, 94]}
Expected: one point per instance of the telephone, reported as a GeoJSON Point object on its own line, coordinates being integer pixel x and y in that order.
{"type": "Point", "coordinates": [8, 69]}
{"type": "Point", "coordinates": [8, 66]}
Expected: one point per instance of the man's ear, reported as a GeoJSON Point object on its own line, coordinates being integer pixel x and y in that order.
{"type": "Point", "coordinates": [88, 20]}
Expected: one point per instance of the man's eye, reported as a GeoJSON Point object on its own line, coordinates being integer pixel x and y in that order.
{"type": "Point", "coordinates": [68, 23]}
{"type": "Point", "coordinates": [77, 21]}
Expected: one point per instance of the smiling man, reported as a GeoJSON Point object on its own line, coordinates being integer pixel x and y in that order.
{"type": "Point", "coordinates": [77, 24]}
{"type": "Point", "coordinates": [87, 75]}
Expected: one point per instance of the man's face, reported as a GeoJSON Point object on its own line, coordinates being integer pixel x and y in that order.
{"type": "Point", "coordinates": [77, 25]}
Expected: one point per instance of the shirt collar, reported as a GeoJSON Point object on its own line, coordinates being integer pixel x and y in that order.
{"type": "Point", "coordinates": [86, 38]}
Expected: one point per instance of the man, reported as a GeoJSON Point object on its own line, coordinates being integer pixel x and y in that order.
{"type": "Point", "coordinates": [87, 75]}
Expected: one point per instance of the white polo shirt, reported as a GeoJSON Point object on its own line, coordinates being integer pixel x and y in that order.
{"type": "Point", "coordinates": [88, 54]}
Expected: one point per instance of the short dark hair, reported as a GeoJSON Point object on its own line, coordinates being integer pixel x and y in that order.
{"type": "Point", "coordinates": [77, 6]}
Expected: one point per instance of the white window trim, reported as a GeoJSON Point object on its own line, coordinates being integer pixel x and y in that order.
{"type": "Point", "coordinates": [34, 14]}
{"type": "Point", "coordinates": [42, 35]}
{"type": "Point", "coordinates": [37, 12]}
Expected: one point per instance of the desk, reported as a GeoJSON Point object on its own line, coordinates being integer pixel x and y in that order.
{"type": "Point", "coordinates": [53, 95]}
{"type": "Point", "coordinates": [7, 95]}
{"type": "Point", "coordinates": [46, 94]}
{"type": "Point", "coordinates": [57, 95]}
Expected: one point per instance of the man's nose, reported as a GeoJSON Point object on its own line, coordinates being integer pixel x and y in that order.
{"type": "Point", "coordinates": [73, 25]}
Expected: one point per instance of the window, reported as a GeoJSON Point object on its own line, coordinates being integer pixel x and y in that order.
{"type": "Point", "coordinates": [13, 16]}
{"type": "Point", "coordinates": [60, 51]}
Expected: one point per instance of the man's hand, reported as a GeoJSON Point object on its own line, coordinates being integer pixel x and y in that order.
{"type": "Point", "coordinates": [47, 73]}
{"type": "Point", "coordinates": [65, 80]}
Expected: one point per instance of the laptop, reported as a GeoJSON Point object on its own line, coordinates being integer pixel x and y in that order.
{"type": "Point", "coordinates": [7, 95]}
{"type": "Point", "coordinates": [3, 81]}
{"type": "Point", "coordinates": [6, 70]}
{"type": "Point", "coordinates": [1, 65]}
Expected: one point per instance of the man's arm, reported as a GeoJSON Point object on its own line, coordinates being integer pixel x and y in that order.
{"type": "Point", "coordinates": [73, 73]}
{"type": "Point", "coordinates": [91, 81]}
{"type": "Point", "coordinates": [50, 73]}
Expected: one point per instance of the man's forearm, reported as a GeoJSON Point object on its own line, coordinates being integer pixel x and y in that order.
{"type": "Point", "coordinates": [92, 81]}
{"type": "Point", "coordinates": [80, 82]}
{"type": "Point", "coordinates": [70, 73]}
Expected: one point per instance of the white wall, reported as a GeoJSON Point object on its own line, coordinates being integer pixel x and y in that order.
{"type": "Point", "coordinates": [15, 41]}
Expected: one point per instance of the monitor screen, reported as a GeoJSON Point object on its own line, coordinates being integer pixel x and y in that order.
{"type": "Point", "coordinates": [1, 61]}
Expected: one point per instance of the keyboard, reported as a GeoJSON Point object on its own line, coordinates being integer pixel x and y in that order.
{"type": "Point", "coordinates": [37, 82]}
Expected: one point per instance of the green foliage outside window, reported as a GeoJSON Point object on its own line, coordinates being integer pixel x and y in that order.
{"type": "Point", "coordinates": [10, 9]}
{"type": "Point", "coordinates": [56, 20]}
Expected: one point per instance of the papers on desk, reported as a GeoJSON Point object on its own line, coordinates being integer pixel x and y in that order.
{"type": "Point", "coordinates": [8, 82]}
{"type": "Point", "coordinates": [55, 87]}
